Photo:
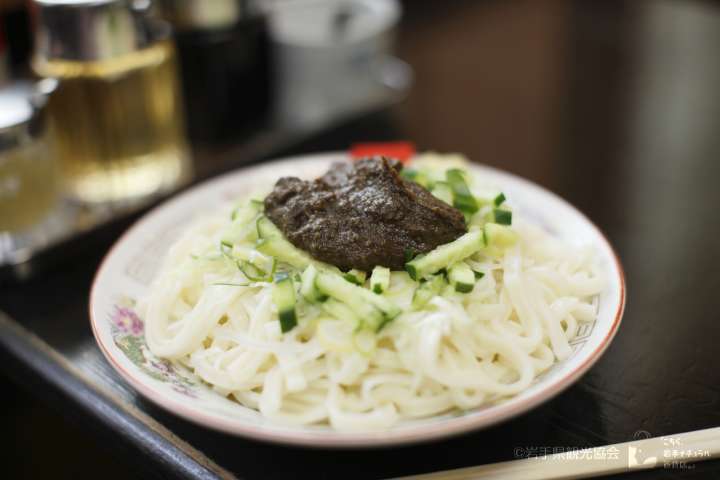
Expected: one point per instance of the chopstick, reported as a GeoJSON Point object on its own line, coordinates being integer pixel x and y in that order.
{"type": "Point", "coordinates": [658, 452]}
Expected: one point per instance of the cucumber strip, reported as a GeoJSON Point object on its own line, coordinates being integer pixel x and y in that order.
{"type": "Point", "coordinates": [241, 227]}
{"type": "Point", "coordinates": [272, 243]}
{"type": "Point", "coordinates": [443, 191]}
{"type": "Point", "coordinates": [417, 176]}
{"type": "Point", "coordinates": [307, 286]}
{"type": "Point", "coordinates": [408, 173]}
{"type": "Point", "coordinates": [461, 277]}
{"type": "Point", "coordinates": [283, 296]}
{"type": "Point", "coordinates": [340, 289]}
{"type": "Point", "coordinates": [380, 279]}
{"type": "Point", "coordinates": [267, 229]}
{"type": "Point", "coordinates": [256, 274]}
{"type": "Point", "coordinates": [236, 233]}
{"type": "Point", "coordinates": [409, 254]}
{"type": "Point", "coordinates": [499, 199]}
{"type": "Point", "coordinates": [499, 235]}
{"type": "Point", "coordinates": [246, 212]}
{"type": "Point", "coordinates": [372, 309]}
{"type": "Point", "coordinates": [502, 216]}
{"type": "Point", "coordinates": [280, 276]}
{"type": "Point", "coordinates": [251, 255]}
{"type": "Point", "coordinates": [355, 276]}
{"type": "Point", "coordinates": [284, 251]}
{"type": "Point", "coordinates": [462, 199]}
{"type": "Point", "coordinates": [339, 310]}
{"type": "Point", "coordinates": [427, 290]}
{"type": "Point", "coordinates": [445, 255]}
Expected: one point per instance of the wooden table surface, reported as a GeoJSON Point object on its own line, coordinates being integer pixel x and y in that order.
{"type": "Point", "coordinates": [613, 105]}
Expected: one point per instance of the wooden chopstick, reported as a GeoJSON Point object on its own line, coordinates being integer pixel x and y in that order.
{"type": "Point", "coordinates": [670, 451]}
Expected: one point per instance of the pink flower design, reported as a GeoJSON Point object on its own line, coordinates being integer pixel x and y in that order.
{"type": "Point", "coordinates": [184, 390]}
{"type": "Point", "coordinates": [127, 321]}
{"type": "Point", "coordinates": [163, 367]}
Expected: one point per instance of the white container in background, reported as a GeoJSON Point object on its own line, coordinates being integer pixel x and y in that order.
{"type": "Point", "coordinates": [329, 56]}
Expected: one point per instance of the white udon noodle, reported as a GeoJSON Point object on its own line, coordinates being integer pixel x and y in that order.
{"type": "Point", "coordinates": [460, 352]}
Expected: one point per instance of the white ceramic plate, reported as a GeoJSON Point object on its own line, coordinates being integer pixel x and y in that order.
{"type": "Point", "coordinates": [130, 265]}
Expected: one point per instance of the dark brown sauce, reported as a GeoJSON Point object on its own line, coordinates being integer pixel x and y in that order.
{"type": "Point", "coordinates": [362, 214]}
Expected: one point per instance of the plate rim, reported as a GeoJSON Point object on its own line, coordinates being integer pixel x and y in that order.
{"type": "Point", "coordinates": [418, 434]}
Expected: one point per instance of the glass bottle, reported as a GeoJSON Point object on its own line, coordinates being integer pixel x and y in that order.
{"type": "Point", "coordinates": [29, 191]}
{"type": "Point", "coordinates": [223, 47]}
{"type": "Point", "coordinates": [117, 110]}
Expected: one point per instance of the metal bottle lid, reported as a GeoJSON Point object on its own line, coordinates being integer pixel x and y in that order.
{"type": "Point", "coordinates": [22, 108]}
{"type": "Point", "coordinates": [90, 30]}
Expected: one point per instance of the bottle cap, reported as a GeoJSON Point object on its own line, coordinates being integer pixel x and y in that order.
{"type": "Point", "coordinates": [188, 15]}
{"type": "Point", "coordinates": [91, 30]}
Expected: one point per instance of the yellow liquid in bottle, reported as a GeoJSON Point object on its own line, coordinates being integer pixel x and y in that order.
{"type": "Point", "coordinates": [119, 124]}
{"type": "Point", "coordinates": [28, 186]}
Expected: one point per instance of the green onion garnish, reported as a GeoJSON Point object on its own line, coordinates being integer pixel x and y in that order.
{"type": "Point", "coordinates": [499, 199]}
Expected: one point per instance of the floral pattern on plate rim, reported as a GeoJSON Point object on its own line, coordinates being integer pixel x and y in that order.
{"type": "Point", "coordinates": [128, 333]}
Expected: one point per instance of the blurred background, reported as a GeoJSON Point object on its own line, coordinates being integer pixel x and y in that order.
{"type": "Point", "coordinates": [107, 107]}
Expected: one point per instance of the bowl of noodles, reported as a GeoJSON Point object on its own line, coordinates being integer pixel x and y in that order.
{"type": "Point", "coordinates": [206, 309]}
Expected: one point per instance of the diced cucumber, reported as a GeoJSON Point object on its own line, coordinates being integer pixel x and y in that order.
{"type": "Point", "coordinates": [502, 216]}
{"type": "Point", "coordinates": [283, 296]}
{"type": "Point", "coordinates": [461, 277]}
{"type": "Point", "coordinates": [372, 309]}
{"type": "Point", "coordinates": [445, 255]}
{"type": "Point", "coordinates": [380, 279]}
{"type": "Point", "coordinates": [462, 198]}
{"type": "Point", "coordinates": [427, 290]}
{"type": "Point", "coordinates": [443, 191]}
{"type": "Point", "coordinates": [499, 235]}
{"type": "Point", "coordinates": [307, 286]}
{"type": "Point", "coordinates": [355, 276]}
